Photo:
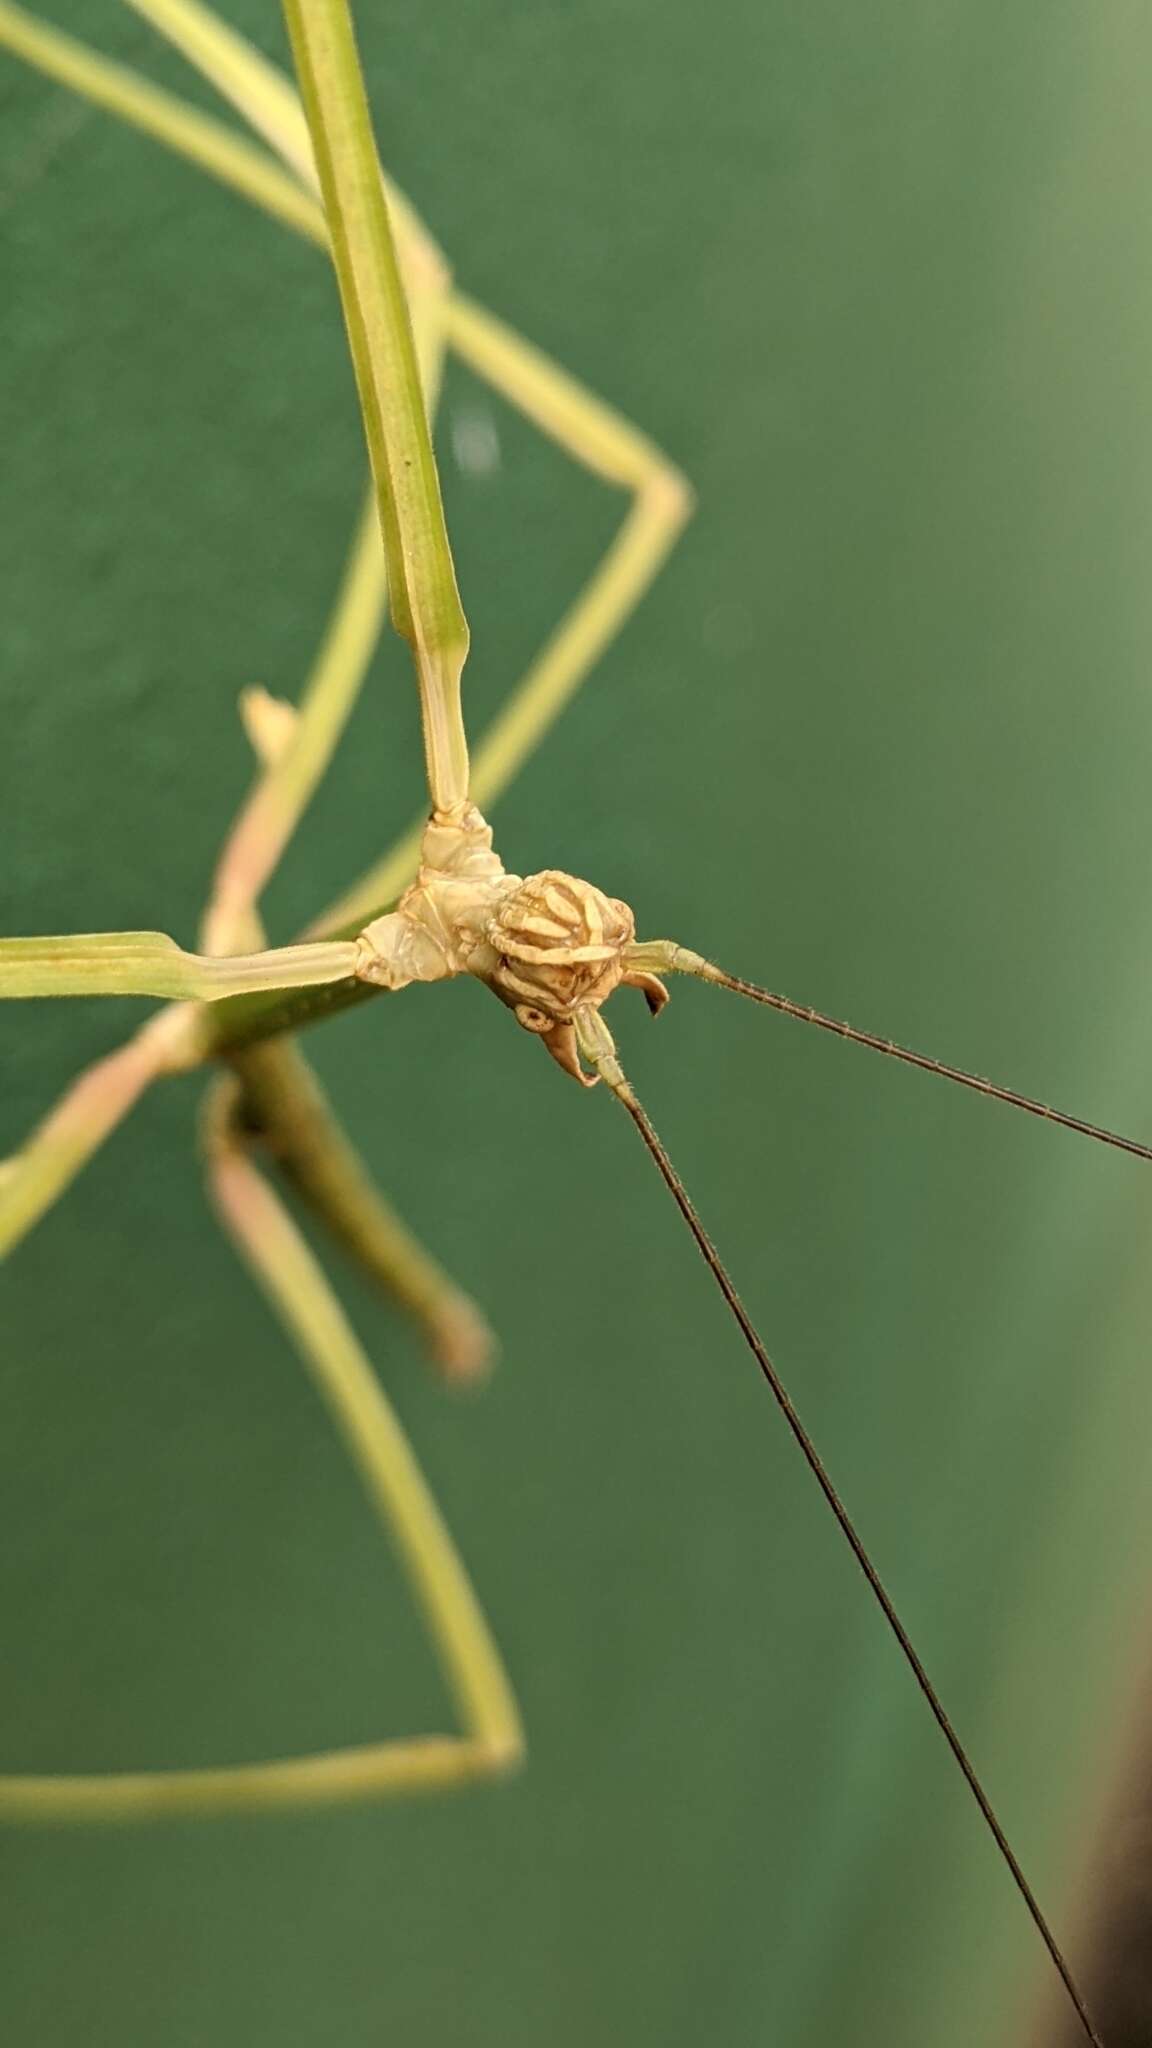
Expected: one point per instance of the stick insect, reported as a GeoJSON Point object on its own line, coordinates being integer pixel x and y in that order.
{"type": "Point", "coordinates": [660, 504]}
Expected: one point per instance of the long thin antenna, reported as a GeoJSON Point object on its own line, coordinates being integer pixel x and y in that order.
{"type": "Point", "coordinates": [620, 1086]}
{"type": "Point", "coordinates": [707, 972]}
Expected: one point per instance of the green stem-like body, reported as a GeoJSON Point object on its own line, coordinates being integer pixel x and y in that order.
{"type": "Point", "coordinates": [243, 1021]}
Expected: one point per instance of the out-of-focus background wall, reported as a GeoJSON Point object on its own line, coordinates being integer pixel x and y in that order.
{"type": "Point", "coordinates": [879, 278]}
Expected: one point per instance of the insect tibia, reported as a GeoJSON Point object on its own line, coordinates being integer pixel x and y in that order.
{"type": "Point", "coordinates": [550, 946]}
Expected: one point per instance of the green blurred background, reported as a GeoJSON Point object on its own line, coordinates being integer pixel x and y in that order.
{"type": "Point", "coordinates": [878, 277]}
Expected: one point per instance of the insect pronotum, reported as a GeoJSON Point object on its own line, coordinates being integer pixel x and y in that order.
{"type": "Point", "coordinates": [149, 964]}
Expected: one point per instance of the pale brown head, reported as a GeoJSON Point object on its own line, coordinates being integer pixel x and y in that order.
{"type": "Point", "coordinates": [562, 946]}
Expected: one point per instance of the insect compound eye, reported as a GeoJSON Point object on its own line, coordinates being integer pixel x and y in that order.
{"type": "Point", "coordinates": [532, 1019]}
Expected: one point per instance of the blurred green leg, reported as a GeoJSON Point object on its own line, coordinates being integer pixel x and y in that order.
{"type": "Point", "coordinates": [292, 769]}
{"type": "Point", "coordinates": [603, 441]}
{"type": "Point", "coordinates": [281, 1103]}
{"type": "Point", "coordinates": [491, 1742]}
{"type": "Point", "coordinates": [572, 416]}
{"type": "Point", "coordinates": [283, 1106]}
{"type": "Point", "coordinates": [32, 1179]}
{"type": "Point", "coordinates": [181, 127]}
{"type": "Point", "coordinates": [269, 102]}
